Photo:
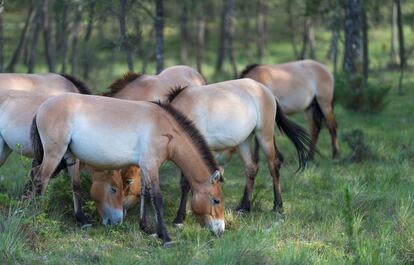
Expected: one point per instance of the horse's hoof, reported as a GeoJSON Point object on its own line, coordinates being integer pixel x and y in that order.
{"type": "Point", "coordinates": [278, 210]}
{"type": "Point", "coordinates": [168, 244]}
{"type": "Point", "coordinates": [242, 210]}
{"type": "Point", "coordinates": [178, 225]}
{"type": "Point", "coordinates": [85, 226]}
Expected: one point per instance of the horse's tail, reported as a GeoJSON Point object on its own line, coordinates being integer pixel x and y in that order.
{"type": "Point", "coordinates": [38, 148]}
{"type": "Point", "coordinates": [297, 135]}
{"type": "Point", "coordinates": [248, 69]}
{"type": "Point", "coordinates": [82, 88]}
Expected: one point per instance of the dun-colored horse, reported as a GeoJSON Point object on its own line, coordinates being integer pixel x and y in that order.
{"type": "Point", "coordinates": [142, 87]}
{"type": "Point", "coordinates": [47, 84]}
{"type": "Point", "coordinates": [111, 133]}
{"type": "Point", "coordinates": [301, 86]}
{"type": "Point", "coordinates": [229, 114]}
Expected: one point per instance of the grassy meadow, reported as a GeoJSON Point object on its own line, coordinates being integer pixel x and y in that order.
{"type": "Point", "coordinates": [336, 212]}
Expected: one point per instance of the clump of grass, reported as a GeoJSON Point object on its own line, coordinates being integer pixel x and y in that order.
{"type": "Point", "coordinates": [12, 239]}
{"type": "Point", "coordinates": [349, 223]}
{"type": "Point", "coordinates": [404, 231]}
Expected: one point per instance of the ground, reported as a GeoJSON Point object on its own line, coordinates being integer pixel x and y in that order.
{"type": "Point", "coordinates": [336, 212]}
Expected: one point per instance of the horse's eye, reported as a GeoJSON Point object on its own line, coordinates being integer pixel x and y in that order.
{"type": "Point", "coordinates": [113, 190]}
{"type": "Point", "coordinates": [215, 201]}
{"type": "Point", "coordinates": [129, 181]}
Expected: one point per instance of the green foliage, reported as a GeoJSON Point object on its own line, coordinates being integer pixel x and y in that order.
{"type": "Point", "coordinates": [370, 96]}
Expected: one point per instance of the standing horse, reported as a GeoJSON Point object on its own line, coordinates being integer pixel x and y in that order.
{"type": "Point", "coordinates": [301, 86]}
{"type": "Point", "coordinates": [141, 87]}
{"type": "Point", "coordinates": [111, 133]}
{"type": "Point", "coordinates": [50, 84]}
{"type": "Point", "coordinates": [229, 114]}
{"type": "Point", "coordinates": [20, 96]}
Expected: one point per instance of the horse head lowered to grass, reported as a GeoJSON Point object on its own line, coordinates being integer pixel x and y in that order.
{"type": "Point", "coordinates": [109, 133]}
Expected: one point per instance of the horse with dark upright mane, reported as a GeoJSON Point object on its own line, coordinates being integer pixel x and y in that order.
{"type": "Point", "coordinates": [230, 114]}
{"type": "Point", "coordinates": [109, 133]}
{"type": "Point", "coordinates": [301, 86]}
{"type": "Point", "coordinates": [143, 87]}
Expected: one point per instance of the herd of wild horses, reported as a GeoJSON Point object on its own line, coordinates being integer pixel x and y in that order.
{"type": "Point", "coordinates": [123, 136]}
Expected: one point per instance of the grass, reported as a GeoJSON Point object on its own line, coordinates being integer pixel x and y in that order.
{"type": "Point", "coordinates": [321, 225]}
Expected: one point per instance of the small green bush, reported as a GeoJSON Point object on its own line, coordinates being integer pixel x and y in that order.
{"type": "Point", "coordinates": [372, 97]}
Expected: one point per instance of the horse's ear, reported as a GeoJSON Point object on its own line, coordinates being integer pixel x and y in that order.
{"type": "Point", "coordinates": [216, 176]}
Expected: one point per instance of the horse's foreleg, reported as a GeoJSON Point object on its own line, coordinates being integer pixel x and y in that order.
{"type": "Point", "coordinates": [74, 173]}
{"type": "Point", "coordinates": [152, 180]}
{"type": "Point", "coordinates": [250, 170]}
{"type": "Point", "coordinates": [181, 212]}
{"type": "Point", "coordinates": [145, 200]}
{"type": "Point", "coordinates": [4, 151]}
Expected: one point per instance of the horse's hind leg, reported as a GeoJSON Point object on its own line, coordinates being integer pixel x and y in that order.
{"type": "Point", "coordinates": [315, 124]}
{"type": "Point", "coordinates": [74, 174]}
{"type": "Point", "coordinates": [326, 108]}
{"type": "Point", "coordinates": [181, 212]}
{"type": "Point", "coordinates": [4, 151]}
{"type": "Point", "coordinates": [43, 173]}
{"type": "Point", "coordinates": [250, 170]}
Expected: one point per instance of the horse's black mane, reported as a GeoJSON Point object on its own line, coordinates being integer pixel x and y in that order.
{"type": "Point", "coordinates": [248, 69]}
{"type": "Point", "coordinates": [83, 89]}
{"type": "Point", "coordinates": [189, 127]}
{"type": "Point", "coordinates": [174, 92]}
{"type": "Point", "coordinates": [121, 82]}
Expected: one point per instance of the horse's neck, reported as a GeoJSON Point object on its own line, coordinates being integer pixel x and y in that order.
{"type": "Point", "coordinates": [188, 158]}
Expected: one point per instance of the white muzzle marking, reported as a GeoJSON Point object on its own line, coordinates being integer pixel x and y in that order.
{"type": "Point", "coordinates": [217, 227]}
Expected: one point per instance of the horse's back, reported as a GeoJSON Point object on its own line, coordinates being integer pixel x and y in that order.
{"type": "Point", "coordinates": [181, 75]}
{"type": "Point", "coordinates": [226, 112]}
{"type": "Point", "coordinates": [295, 84]}
{"type": "Point", "coordinates": [104, 132]}
{"type": "Point", "coordinates": [49, 83]}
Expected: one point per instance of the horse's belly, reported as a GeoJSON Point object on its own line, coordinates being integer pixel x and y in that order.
{"type": "Point", "coordinates": [18, 139]}
{"type": "Point", "coordinates": [104, 152]}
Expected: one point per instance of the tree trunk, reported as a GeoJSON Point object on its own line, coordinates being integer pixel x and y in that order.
{"type": "Point", "coordinates": [365, 57]}
{"type": "Point", "coordinates": [201, 26]}
{"type": "Point", "coordinates": [292, 29]}
{"type": "Point", "coordinates": [23, 39]}
{"type": "Point", "coordinates": [159, 35]}
{"type": "Point", "coordinates": [64, 36]}
{"type": "Point", "coordinates": [308, 40]}
{"type": "Point", "coordinates": [353, 53]}
{"type": "Point", "coordinates": [333, 51]}
{"type": "Point", "coordinates": [225, 34]}
{"type": "Point", "coordinates": [261, 28]}
{"type": "Point", "coordinates": [74, 37]}
{"type": "Point", "coordinates": [401, 45]}
{"type": "Point", "coordinates": [394, 36]}
{"type": "Point", "coordinates": [125, 43]}
{"type": "Point", "coordinates": [46, 35]}
{"type": "Point", "coordinates": [184, 35]}
{"type": "Point", "coordinates": [33, 48]}
{"type": "Point", "coordinates": [1, 37]}
{"type": "Point", "coordinates": [87, 56]}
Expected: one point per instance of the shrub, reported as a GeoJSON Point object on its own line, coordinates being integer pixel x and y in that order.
{"type": "Point", "coordinates": [370, 98]}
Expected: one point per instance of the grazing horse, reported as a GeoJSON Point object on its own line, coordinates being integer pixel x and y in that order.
{"type": "Point", "coordinates": [229, 114]}
{"type": "Point", "coordinates": [144, 87]}
{"type": "Point", "coordinates": [115, 190]}
{"type": "Point", "coordinates": [109, 133]}
{"type": "Point", "coordinates": [301, 86]}
{"type": "Point", "coordinates": [50, 84]}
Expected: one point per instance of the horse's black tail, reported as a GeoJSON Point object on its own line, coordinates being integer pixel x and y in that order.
{"type": "Point", "coordinates": [38, 149]}
{"type": "Point", "coordinates": [297, 135]}
{"type": "Point", "coordinates": [83, 89]}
